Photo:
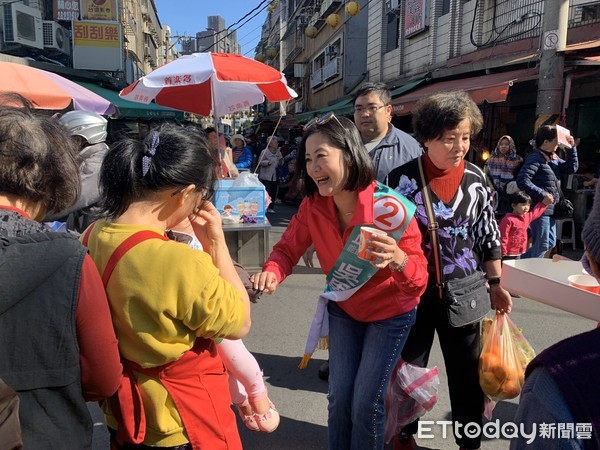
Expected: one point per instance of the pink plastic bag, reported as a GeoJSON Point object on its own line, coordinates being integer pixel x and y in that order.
{"type": "Point", "coordinates": [413, 392]}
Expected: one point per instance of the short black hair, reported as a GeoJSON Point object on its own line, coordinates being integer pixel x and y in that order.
{"type": "Point", "coordinates": [519, 197]}
{"type": "Point", "coordinates": [209, 130]}
{"type": "Point", "coordinates": [381, 89]}
{"type": "Point", "coordinates": [444, 111]}
{"type": "Point", "coordinates": [545, 133]}
{"type": "Point", "coordinates": [182, 157]}
{"type": "Point", "coordinates": [342, 134]}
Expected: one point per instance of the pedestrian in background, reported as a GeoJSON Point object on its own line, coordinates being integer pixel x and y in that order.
{"type": "Point", "coordinates": [501, 168]}
{"type": "Point", "coordinates": [514, 225]}
{"type": "Point", "coordinates": [89, 131]}
{"type": "Point", "coordinates": [368, 328]}
{"type": "Point", "coordinates": [469, 241]}
{"type": "Point", "coordinates": [270, 158]}
{"type": "Point", "coordinates": [168, 301]}
{"type": "Point", "coordinates": [59, 348]}
{"type": "Point", "coordinates": [222, 154]}
{"type": "Point", "coordinates": [540, 177]}
{"type": "Point", "coordinates": [241, 152]}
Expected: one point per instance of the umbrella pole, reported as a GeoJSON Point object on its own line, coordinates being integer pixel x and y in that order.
{"type": "Point", "coordinates": [216, 120]}
{"type": "Point", "coordinates": [219, 150]}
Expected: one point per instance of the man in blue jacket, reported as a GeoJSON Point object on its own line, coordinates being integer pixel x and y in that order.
{"type": "Point", "coordinates": [388, 146]}
{"type": "Point", "coordinates": [540, 178]}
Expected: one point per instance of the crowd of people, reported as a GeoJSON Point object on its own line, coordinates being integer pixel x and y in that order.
{"type": "Point", "coordinates": [127, 316]}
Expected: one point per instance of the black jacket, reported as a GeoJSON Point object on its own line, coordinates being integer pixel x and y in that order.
{"type": "Point", "coordinates": [539, 176]}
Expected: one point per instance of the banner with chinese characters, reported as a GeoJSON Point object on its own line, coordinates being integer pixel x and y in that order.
{"type": "Point", "coordinates": [414, 19]}
{"type": "Point", "coordinates": [98, 10]}
{"type": "Point", "coordinates": [97, 46]}
{"type": "Point", "coordinates": [67, 10]}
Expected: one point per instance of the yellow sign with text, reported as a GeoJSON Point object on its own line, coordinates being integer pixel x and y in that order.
{"type": "Point", "coordinates": [98, 10]}
{"type": "Point", "coordinates": [96, 34]}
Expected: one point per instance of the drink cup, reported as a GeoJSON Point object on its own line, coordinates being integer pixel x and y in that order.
{"type": "Point", "coordinates": [363, 245]}
{"type": "Point", "coordinates": [585, 282]}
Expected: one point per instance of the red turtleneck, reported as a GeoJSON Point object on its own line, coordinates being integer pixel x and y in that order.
{"type": "Point", "coordinates": [444, 183]}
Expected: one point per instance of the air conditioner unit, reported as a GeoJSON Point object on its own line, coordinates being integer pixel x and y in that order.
{"type": "Point", "coordinates": [56, 37]}
{"type": "Point", "coordinates": [23, 25]}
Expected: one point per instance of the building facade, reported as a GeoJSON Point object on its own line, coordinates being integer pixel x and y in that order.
{"type": "Point", "coordinates": [525, 62]}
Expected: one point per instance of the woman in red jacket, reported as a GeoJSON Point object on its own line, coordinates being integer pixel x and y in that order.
{"type": "Point", "coordinates": [371, 304]}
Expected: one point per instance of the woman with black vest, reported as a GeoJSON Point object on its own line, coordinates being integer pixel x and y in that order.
{"type": "Point", "coordinates": [59, 348]}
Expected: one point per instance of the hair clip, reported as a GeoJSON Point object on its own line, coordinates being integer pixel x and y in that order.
{"type": "Point", "coordinates": [150, 151]}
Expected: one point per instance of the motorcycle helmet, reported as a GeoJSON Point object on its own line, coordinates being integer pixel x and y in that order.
{"type": "Point", "coordinates": [88, 125]}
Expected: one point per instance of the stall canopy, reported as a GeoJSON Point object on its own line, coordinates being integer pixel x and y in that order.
{"type": "Point", "coordinates": [133, 110]}
{"type": "Point", "coordinates": [491, 88]}
{"type": "Point", "coordinates": [340, 108]}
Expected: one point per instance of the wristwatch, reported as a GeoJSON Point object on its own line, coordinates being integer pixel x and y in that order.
{"type": "Point", "coordinates": [493, 280]}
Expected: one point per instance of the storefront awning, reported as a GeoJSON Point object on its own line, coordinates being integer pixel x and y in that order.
{"type": "Point", "coordinates": [340, 108]}
{"type": "Point", "coordinates": [133, 110]}
{"type": "Point", "coordinates": [491, 88]}
{"type": "Point", "coordinates": [407, 87]}
{"type": "Point", "coordinates": [346, 107]}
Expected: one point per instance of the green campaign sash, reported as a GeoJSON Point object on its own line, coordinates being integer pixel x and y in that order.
{"type": "Point", "coordinates": [391, 213]}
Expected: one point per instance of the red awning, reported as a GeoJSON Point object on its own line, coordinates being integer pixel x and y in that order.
{"type": "Point", "coordinates": [491, 88]}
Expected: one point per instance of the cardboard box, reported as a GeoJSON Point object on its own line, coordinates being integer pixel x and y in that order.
{"type": "Point", "coordinates": [233, 202]}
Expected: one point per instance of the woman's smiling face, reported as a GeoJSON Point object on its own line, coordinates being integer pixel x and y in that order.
{"type": "Point", "coordinates": [325, 165]}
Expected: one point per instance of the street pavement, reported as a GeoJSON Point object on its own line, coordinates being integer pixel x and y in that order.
{"type": "Point", "coordinates": [280, 324]}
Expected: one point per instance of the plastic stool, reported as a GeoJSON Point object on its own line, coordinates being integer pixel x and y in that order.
{"type": "Point", "coordinates": [559, 232]}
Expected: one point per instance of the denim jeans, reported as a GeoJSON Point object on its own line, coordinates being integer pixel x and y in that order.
{"type": "Point", "coordinates": [543, 237]}
{"type": "Point", "coordinates": [362, 357]}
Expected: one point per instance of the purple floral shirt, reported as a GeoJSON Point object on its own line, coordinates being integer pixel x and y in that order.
{"type": "Point", "coordinates": [468, 232]}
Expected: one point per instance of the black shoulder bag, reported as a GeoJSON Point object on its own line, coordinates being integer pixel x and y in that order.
{"type": "Point", "coordinates": [467, 300]}
{"type": "Point", "coordinates": [563, 208]}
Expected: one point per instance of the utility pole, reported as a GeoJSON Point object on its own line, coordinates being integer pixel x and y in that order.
{"type": "Point", "coordinates": [550, 83]}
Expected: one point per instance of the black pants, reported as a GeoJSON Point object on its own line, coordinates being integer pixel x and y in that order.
{"type": "Point", "coordinates": [271, 187]}
{"type": "Point", "coordinates": [460, 348]}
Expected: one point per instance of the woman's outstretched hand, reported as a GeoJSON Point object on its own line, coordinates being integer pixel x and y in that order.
{"type": "Point", "coordinates": [264, 282]}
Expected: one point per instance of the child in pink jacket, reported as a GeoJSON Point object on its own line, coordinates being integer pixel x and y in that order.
{"type": "Point", "coordinates": [513, 226]}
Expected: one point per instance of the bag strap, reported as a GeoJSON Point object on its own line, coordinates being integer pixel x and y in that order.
{"type": "Point", "coordinates": [557, 183]}
{"type": "Point", "coordinates": [432, 227]}
{"type": "Point", "coordinates": [123, 248]}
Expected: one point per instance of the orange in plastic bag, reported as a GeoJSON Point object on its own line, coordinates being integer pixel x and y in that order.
{"type": "Point", "coordinates": [505, 354]}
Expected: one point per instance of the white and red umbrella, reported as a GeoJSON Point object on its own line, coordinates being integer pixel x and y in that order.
{"type": "Point", "coordinates": [201, 83]}
{"type": "Point", "coordinates": [48, 90]}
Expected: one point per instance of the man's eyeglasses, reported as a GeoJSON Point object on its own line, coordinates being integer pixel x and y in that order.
{"type": "Point", "coordinates": [370, 109]}
{"type": "Point", "coordinates": [322, 121]}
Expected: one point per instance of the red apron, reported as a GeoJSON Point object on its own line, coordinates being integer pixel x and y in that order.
{"type": "Point", "coordinates": [197, 383]}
